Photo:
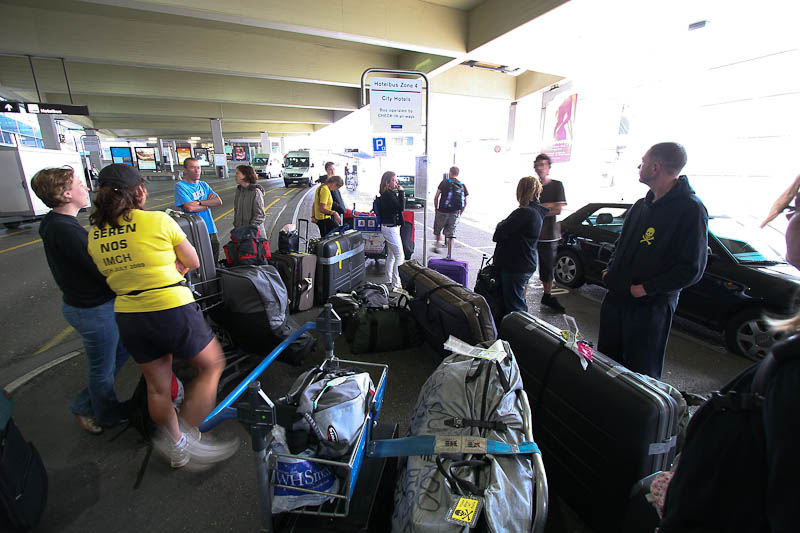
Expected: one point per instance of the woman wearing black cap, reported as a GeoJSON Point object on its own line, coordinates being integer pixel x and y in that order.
{"type": "Point", "coordinates": [144, 256]}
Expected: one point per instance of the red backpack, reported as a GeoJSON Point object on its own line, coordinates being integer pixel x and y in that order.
{"type": "Point", "coordinates": [247, 247]}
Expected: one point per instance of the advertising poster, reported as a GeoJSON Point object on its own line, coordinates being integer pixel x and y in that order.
{"type": "Point", "coordinates": [202, 155]}
{"type": "Point", "coordinates": [183, 153]}
{"type": "Point", "coordinates": [145, 158]}
{"type": "Point", "coordinates": [558, 108]}
{"type": "Point", "coordinates": [121, 154]}
{"type": "Point", "coordinates": [229, 152]}
{"type": "Point", "coordinates": [240, 153]}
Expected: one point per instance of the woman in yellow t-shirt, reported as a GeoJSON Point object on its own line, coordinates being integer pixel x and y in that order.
{"type": "Point", "coordinates": [144, 256]}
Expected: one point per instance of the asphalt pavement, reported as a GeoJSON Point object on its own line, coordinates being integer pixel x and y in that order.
{"type": "Point", "coordinates": [92, 477]}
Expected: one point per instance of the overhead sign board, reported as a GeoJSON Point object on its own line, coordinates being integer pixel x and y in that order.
{"type": "Point", "coordinates": [9, 107]}
{"type": "Point", "coordinates": [57, 109]}
{"type": "Point", "coordinates": [41, 108]}
{"type": "Point", "coordinates": [350, 150]}
{"type": "Point", "coordinates": [395, 105]}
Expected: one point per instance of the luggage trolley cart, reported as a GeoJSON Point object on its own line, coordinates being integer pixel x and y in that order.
{"type": "Point", "coordinates": [259, 415]}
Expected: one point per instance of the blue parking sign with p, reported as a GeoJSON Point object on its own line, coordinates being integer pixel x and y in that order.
{"type": "Point", "coordinates": [379, 144]}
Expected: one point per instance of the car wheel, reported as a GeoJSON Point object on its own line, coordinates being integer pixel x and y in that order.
{"type": "Point", "coordinates": [749, 334]}
{"type": "Point", "coordinates": [286, 184]}
{"type": "Point", "coordinates": [568, 269]}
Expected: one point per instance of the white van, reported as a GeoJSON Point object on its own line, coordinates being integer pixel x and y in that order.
{"type": "Point", "coordinates": [297, 168]}
{"type": "Point", "coordinates": [267, 166]}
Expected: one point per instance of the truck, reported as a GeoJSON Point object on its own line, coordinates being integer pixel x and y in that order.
{"type": "Point", "coordinates": [18, 165]}
{"type": "Point", "coordinates": [297, 167]}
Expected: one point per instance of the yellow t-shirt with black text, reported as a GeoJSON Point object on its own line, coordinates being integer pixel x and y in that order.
{"type": "Point", "coordinates": [322, 196]}
{"type": "Point", "coordinates": [138, 255]}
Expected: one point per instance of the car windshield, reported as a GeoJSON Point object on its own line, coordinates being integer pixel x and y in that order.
{"type": "Point", "coordinates": [260, 161]}
{"type": "Point", "coordinates": [746, 244]}
{"type": "Point", "coordinates": [296, 162]}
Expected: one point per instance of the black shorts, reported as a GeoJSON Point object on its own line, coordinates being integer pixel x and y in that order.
{"type": "Point", "coordinates": [180, 331]}
{"type": "Point", "coordinates": [547, 260]}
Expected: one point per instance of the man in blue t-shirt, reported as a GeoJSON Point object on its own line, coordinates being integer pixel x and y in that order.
{"type": "Point", "coordinates": [195, 196]}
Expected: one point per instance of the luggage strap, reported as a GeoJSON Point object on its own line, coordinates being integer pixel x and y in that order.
{"type": "Point", "coordinates": [457, 422]}
{"type": "Point", "coordinates": [436, 444]}
{"type": "Point", "coordinates": [181, 283]}
{"type": "Point", "coordinates": [340, 257]}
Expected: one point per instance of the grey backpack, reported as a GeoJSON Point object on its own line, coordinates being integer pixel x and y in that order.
{"type": "Point", "coordinates": [332, 405]}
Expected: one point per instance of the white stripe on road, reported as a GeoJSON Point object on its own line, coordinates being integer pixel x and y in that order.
{"type": "Point", "coordinates": [17, 383]}
{"type": "Point", "coordinates": [461, 243]}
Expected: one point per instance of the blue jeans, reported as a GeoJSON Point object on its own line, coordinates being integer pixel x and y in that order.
{"type": "Point", "coordinates": [106, 356]}
{"type": "Point", "coordinates": [513, 286]}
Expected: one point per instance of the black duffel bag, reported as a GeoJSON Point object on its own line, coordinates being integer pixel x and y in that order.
{"type": "Point", "coordinates": [384, 329]}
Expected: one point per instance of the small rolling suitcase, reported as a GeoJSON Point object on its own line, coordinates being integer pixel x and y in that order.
{"type": "Point", "coordinates": [297, 272]}
{"type": "Point", "coordinates": [204, 280]}
{"type": "Point", "coordinates": [340, 264]}
{"type": "Point", "coordinates": [600, 430]}
{"type": "Point", "coordinates": [443, 307]}
{"type": "Point", "coordinates": [452, 268]}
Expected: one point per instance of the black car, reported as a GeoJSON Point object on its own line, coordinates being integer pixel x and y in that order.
{"type": "Point", "coordinates": [744, 278]}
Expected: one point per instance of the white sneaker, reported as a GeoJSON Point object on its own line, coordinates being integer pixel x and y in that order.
{"type": "Point", "coordinates": [191, 450]}
{"type": "Point", "coordinates": [208, 453]}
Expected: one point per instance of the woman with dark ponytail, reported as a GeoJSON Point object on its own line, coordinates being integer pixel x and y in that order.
{"type": "Point", "coordinates": [144, 256]}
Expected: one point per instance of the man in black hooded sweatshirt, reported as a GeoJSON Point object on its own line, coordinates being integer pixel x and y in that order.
{"type": "Point", "coordinates": [662, 249]}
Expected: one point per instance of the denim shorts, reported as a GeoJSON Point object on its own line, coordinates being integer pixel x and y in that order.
{"type": "Point", "coordinates": [180, 331]}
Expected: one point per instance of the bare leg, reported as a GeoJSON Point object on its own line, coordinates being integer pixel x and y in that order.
{"type": "Point", "coordinates": [202, 394]}
{"type": "Point", "coordinates": [158, 375]}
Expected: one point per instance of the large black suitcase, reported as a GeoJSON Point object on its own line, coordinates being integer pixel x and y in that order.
{"type": "Point", "coordinates": [443, 307]}
{"type": "Point", "coordinates": [340, 264]}
{"type": "Point", "coordinates": [297, 272]}
{"type": "Point", "coordinates": [600, 430]}
{"type": "Point", "coordinates": [204, 280]}
{"type": "Point", "coordinates": [372, 502]}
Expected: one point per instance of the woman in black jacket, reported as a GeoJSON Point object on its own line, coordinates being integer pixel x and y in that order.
{"type": "Point", "coordinates": [516, 238]}
{"type": "Point", "coordinates": [391, 206]}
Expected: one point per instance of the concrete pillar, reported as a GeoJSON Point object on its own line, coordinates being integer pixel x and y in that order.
{"type": "Point", "coordinates": [283, 146]}
{"type": "Point", "coordinates": [173, 156]}
{"type": "Point", "coordinates": [162, 151]}
{"type": "Point", "coordinates": [219, 146]}
{"type": "Point", "coordinates": [512, 121]}
{"type": "Point", "coordinates": [49, 132]}
{"type": "Point", "coordinates": [265, 147]}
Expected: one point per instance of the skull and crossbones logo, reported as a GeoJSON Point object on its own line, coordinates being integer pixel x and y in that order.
{"type": "Point", "coordinates": [649, 236]}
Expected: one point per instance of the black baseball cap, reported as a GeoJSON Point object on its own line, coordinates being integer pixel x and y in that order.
{"type": "Point", "coordinates": [119, 176]}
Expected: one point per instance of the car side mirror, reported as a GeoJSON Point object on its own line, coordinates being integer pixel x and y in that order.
{"type": "Point", "coordinates": [283, 165]}
{"type": "Point", "coordinates": [604, 218]}
{"type": "Point", "coordinates": [312, 165]}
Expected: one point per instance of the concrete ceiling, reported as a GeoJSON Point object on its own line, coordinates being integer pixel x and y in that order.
{"type": "Point", "coordinates": [164, 67]}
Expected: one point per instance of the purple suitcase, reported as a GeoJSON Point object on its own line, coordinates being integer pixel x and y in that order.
{"type": "Point", "coordinates": [454, 269]}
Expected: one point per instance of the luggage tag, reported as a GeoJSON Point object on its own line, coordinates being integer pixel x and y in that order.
{"type": "Point", "coordinates": [495, 352]}
{"type": "Point", "coordinates": [465, 511]}
{"type": "Point", "coordinates": [584, 351]}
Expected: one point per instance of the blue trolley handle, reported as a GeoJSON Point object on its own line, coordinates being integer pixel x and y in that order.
{"type": "Point", "coordinates": [224, 411]}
